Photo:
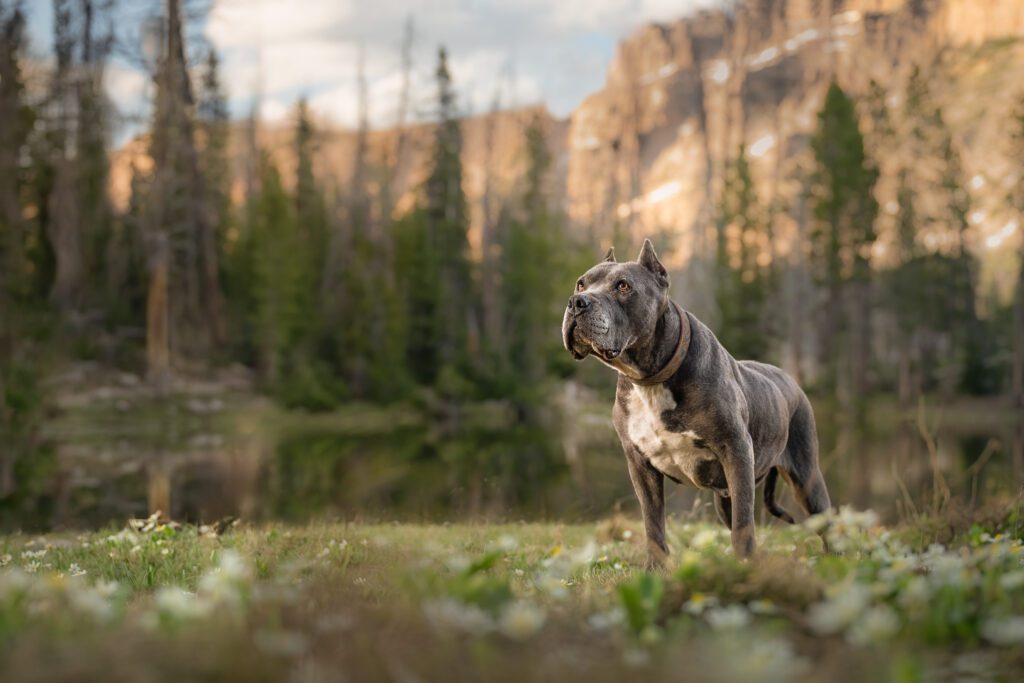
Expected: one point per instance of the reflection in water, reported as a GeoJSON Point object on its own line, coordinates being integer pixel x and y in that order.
{"type": "Point", "coordinates": [570, 471]}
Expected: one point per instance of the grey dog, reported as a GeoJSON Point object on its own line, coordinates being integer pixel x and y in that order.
{"type": "Point", "coordinates": [686, 409]}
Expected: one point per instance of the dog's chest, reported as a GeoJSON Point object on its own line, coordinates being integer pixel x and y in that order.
{"type": "Point", "coordinates": [682, 455]}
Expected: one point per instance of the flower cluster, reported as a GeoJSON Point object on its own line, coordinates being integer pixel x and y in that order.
{"type": "Point", "coordinates": [941, 594]}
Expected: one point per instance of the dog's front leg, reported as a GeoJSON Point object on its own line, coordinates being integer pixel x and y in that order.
{"type": "Point", "coordinates": [738, 464]}
{"type": "Point", "coordinates": [649, 485]}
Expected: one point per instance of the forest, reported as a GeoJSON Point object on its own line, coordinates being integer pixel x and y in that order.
{"type": "Point", "coordinates": [329, 295]}
{"type": "Point", "coordinates": [266, 415]}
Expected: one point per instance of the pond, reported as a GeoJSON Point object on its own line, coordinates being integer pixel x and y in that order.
{"type": "Point", "coordinates": [202, 459]}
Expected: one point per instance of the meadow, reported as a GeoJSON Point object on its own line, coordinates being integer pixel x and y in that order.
{"type": "Point", "coordinates": [933, 598]}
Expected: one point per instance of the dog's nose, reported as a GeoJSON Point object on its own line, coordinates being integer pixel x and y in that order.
{"type": "Point", "coordinates": [579, 303]}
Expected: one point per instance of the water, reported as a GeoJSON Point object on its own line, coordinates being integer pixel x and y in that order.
{"type": "Point", "coordinates": [204, 459]}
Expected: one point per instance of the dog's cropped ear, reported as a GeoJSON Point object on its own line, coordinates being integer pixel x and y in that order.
{"type": "Point", "coordinates": [649, 260]}
{"type": "Point", "coordinates": [610, 256]}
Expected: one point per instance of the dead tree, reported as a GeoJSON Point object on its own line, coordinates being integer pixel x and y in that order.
{"type": "Point", "coordinates": [184, 284]}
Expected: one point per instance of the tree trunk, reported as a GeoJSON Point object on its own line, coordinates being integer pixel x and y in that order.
{"type": "Point", "coordinates": [1018, 338]}
{"type": "Point", "coordinates": [65, 237]}
{"type": "Point", "coordinates": [158, 347]}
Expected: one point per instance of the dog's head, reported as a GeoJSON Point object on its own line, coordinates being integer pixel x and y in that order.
{"type": "Point", "coordinates": [615, 305]}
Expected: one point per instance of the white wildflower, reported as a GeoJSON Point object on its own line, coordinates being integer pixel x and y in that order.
{"type": "Point", "coordinates": [948, 569]}
{"type": "Point", "coordinates": [520, 620]}
{"type": "Point", "coordinates": [761, 659]}
{"type": "Point", "coordinates": [583, 557]}
{"type": "Point", "coordinates": [457, 563]}
{"type": "Point", "coordinates": [5, 559]}
{"type": "Point", "coordinates": [233, 566]}
{"type": "Point", "coordinates": [91, 603]}
{"type": "Point", "coordinates": [875, 625]}
{"type": "Point", "coordinates": [107, 589]}
{"type": "Point", "coordinates": [728, 618]}
{"type": "Point", "coordinates": [179, 604]}
{"type": "Point", "coordinates": [706, 538]}
{"type": "Point", "coordinates": [32, 567]}
{"type": "Point", "coordinates": [602, 621]}
{"type": "Point", "coordinates": [1004, 630]}
{"type": "Point", "coordinates": [699, 602]}
{"type": "Point", "coordinates": [33, 554]}
{"type": "Point", "coordinates": [75, 570]}
{"type": "Point", "coordinates": [13, 581]}
{"type": "Point", "coordinates": [840, 610]}
{"type": "Point", "coordinates": [1011, 581]}
{"type": "Point", "coordinates": [916, 594]}
{"type": "Point", "coordinates": [553, 585]}
{"type": "Point", "coordinates": [449, 613]}
{"type": "Point", "coordinates": [507, 543]}
{"type": "Point", "coordinates": [763, 607]}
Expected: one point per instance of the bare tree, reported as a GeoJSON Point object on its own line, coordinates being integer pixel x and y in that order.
{"type": "Point", "coordinates": [184, 307]}
{"type": "Point", "coordinates": [393, 170]}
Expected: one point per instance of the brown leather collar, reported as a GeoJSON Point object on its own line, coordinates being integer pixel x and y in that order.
{"type": "Point", "coordinates": [676, 360]}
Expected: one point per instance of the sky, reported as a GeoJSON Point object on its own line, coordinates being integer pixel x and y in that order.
{"type": "Point", "coordinates": [518, 51]}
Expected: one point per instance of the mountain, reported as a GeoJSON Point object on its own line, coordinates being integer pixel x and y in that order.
{"type": "Point", "coordinates": [645, 155]}
{"type": "Point", "coordinates": [647, 152]}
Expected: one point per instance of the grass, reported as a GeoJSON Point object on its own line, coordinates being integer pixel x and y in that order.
{"type": "Point", "coordinates": [513, 602]}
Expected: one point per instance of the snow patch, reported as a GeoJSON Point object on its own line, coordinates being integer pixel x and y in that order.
{"type": "Point", "coordinates": [762, 145]}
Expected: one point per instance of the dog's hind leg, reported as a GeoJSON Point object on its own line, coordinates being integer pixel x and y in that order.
{"type": "Point", "coordinates": [769, 497]}
{"type": "Point", "coordinates": [800, 463]}
{"type": "Point", "coordinates": [723, 506]}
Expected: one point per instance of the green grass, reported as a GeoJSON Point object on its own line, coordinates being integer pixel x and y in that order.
{"type": "Point", "coordinates": [513, 602]}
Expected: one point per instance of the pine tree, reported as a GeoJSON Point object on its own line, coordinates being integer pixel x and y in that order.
{"type": "Point", "coordinates": [1016, 199]}
{"type": "Point", "coordinates": [845, 208]}
{"type": "Point", "coordinates": [17, 121]}
{"type": "Point", "coordinates": [743, 278]}
{"type": "Point", "coordinates": [948, 271]}
{"type": "Point", "coordinates": [214, 124]}
{"type": "Point", "coordinates": [434, 254]}
{"type": "Point", "coordinates": [528, 265]}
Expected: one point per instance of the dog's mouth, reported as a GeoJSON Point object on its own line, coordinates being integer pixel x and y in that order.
{"type": "Point", "coordinates": [572, 340]}
{"type": "Point", "coordinates": [577, 338]}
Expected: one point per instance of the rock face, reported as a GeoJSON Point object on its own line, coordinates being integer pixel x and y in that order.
{"type": "Point", "coordinates": [646, 154]}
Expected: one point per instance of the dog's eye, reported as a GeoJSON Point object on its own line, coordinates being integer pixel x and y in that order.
{"type": "Point", "coordinates": [579, 285]}
{"type": "Point", "coordinates": [622, 286]}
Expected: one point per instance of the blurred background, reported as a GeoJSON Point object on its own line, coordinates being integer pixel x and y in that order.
{"type": "Point", "coordinates": [282, 262]}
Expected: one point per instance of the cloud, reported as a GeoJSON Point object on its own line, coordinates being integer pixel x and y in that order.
{"type": "Point", "coordinates": [528, 50]}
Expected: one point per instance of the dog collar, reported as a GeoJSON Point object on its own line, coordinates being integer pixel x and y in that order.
{"type": "Point", "coordinates": [670, 368]}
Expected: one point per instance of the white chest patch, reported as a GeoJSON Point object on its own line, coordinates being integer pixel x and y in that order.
{"type": "Point", "coordinates": [673, 453]}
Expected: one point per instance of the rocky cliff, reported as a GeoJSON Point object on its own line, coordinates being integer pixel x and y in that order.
{"type": "Point", "coordinates": [645, 155]}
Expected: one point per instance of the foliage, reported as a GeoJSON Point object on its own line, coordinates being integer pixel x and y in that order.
{"type": "Point", "coordinates": [844, 207]}
{"type": "Point", "coordinates": [507, 597]}
{"type": "Point", "coordinates": [744, 266]}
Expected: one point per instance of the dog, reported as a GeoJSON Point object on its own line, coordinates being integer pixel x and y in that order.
{"type": "Point", "coordinates": [686, 409]}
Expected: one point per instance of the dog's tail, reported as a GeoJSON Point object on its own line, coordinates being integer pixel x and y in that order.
{"type": "Point", "coordinates": [769, 497]}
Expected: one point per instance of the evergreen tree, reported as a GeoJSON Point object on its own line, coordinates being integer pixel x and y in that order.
{"type": "Point", "coordinates": [17, 120]}
{"type": "Point", "coordinates": [434, 254]}
{"type": "Point", "coordinates": [944, 278]}
{"type": "Point", "coordinates": [844, 208]}
{"type": "Point", "coordinates": [271, 263]}
{"type": "Point", "coordinates": [1016, 199]}
{"type": "Point", "coordinates": [529, 263]}
{"type": "Point", "coordinates": [214, 124]}
{"type": "Point", "coordinates": [744, 280]}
